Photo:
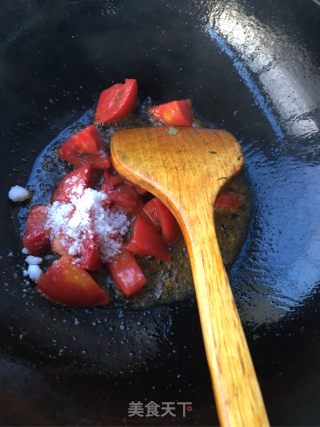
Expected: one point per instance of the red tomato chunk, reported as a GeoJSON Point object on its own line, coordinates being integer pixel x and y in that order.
{"type": "Point", "coordinates": [175, 113]}
{"type": "Point", "coordinates": [67, 283]}
{"type": "Point", "coordinates": [76, 180]}
{"type": "Point", "coordinates": [85, 147]}
{"type": "Point", "coordinates": [116, 102]}
{"type": "Point", "coordinates": [126, 273]}
{"type": "Point", "coordinates": [163, 219]}
{"type": "Point", "coordinates": [145, 240]}
{"type": "Point", "coordinates": [121, 195]}
{"type": "Point", "coordinates": [110, 181]}
{"type": "Point", "coordinates": [36, 235]}
{"type": "Point", "coordinates": [89, 256]}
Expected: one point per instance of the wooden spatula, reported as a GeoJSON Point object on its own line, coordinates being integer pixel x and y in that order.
{"type": "Point", "coordinates": [186, 168]}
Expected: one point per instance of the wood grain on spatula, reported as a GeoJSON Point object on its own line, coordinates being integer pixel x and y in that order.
{"type": "Point", "coordinates": [186, 168]}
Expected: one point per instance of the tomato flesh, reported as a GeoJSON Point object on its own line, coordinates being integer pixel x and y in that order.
{"type": "Point", "coordinates": [90, 258]}
{"type": "Point", "coordinates": [70, 185]}
{"type": "Point", "coordinates": [162, 218]}
{"type": "Point", "coordinates": [116, 102]}
{"type": "Point", "coordinates": [61, 244]}
{"type": "Point", "coordinates": [110, 181]}
{"type": "Point", "coordinates": [145, 240]}
{"type": "Point", "coordinates": [36, 235]}
{"type": "Point", "coordinates": [121, 195]}
{"type": "Point", "coordinates": [85, 147]}
{"type": "Point", "coordinates": [67, 283]}
{"type": "Point", "coordinates": [175, 113]}
{"type": "Point", "coordinates": [90, 255]}
{"type": "Point", "coordinates": [126, 198]}
{"type": "Point", "coordinates": [229, 200]}
{"type": "Point", "coordinates": [126, 273]}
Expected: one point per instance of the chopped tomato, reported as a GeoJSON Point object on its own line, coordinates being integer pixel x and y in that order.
{"type": "Point", "coordinates": [36, 234]}
{"type": "Point", "coordinates": [120, 194]}
{"type": "Point", "coordinates": [175, 113]}
{"type": "Point", "coordinates": [89, 257]}
{"type": "Point", "coordinates": [126, 273]}
{"type": "Point", "coordinates": [85, 147]}
{"type": "Point", "coordinates": [67, 283]}
{"type": "Point", "coordinates": [145, 240]}
{"type": "Point", "coordinates": [116, 102]}
{"type": "Point", "coordinates": [162, 218]}
{"type": "Point", "coordinates": [110, 181]}
{"type": "Point", "coordinates": [229, 200]}
{"type": "Point", "coordinates": [73, 183]}
{"type": "Point", "coordinates": [61, 244]}
{"type": "Point", "coordinates": [126, 198]}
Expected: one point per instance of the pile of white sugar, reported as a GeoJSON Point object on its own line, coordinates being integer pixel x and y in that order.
{"type": "Point", "coordinates": [85, 217]}
{"type": "Point", "coordinates": [33, 271]}
{"type": "Point", "coordinates": [19, 194]}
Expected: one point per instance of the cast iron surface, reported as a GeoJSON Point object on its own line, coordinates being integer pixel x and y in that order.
{"type": "Point", "coordinates": [251, 67]}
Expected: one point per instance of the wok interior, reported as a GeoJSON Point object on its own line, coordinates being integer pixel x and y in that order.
{"type": "Point", "coordinates": [54, 62]}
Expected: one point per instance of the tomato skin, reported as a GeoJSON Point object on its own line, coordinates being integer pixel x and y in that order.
{"type": "Point", "coordinates": [61, 244]}
{"type": "Point", "coordinates": [121, 195]}
{"type": "Point", "coordinates": [162, 218]}
{"type": "Point", "coordinates": [126, 273]}
{"type": "Point", "coordinates": [126, 198]}
{"type": "Point", "coordinates": [229, 200]}
{"type": "Point", "coordinates": [67, 283]}
{"type": "Point", "coordinates": [36, 236]}
{"type": "Point", "coordinates": [110, 181]}
{"type": "Point", "coordinates": [116, 102]}
{"type": "Point", "coordinates": [145, 240]}
{"type": "Point", "coordinates": [90, 256]}
{"type": "Point", "coordinates": [174, 113]}
{"type": "Point", "coordinates": [85, 147]}
{"type": "Point", "coordinates": [82, 176]}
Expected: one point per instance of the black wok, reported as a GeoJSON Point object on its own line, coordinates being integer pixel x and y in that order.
{"type": "Point", "coordinates": [251, 67]}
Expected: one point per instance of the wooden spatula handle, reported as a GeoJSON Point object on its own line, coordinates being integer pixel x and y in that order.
{"type": "Point", "coordinates": [237, 393]}
{"type": "Point", "coordinates": [186, 171]}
